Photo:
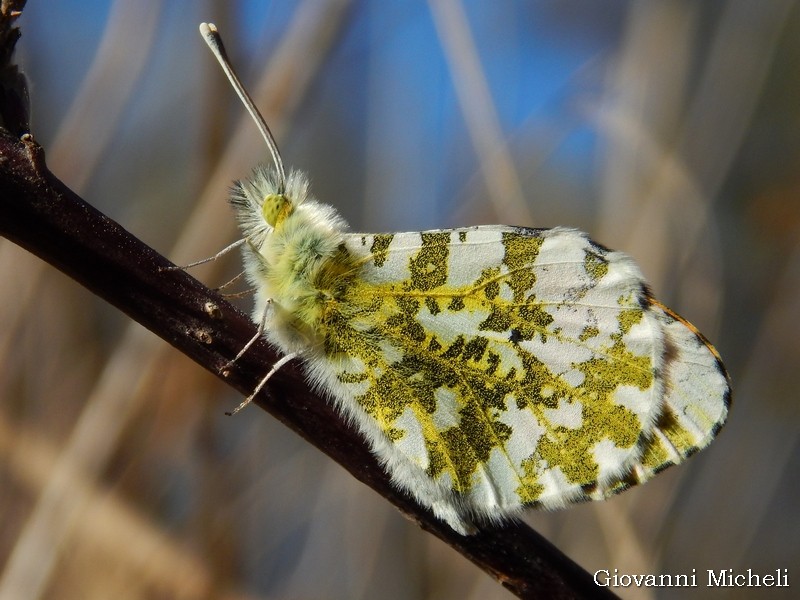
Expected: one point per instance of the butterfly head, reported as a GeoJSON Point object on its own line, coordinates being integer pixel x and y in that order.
{"type": "Point", "coordinates": [275, 208]}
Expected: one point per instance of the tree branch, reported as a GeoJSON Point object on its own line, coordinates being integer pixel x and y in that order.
{"type": "Point", "coordinates": [39, 213]}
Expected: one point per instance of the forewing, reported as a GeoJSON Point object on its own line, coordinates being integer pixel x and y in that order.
{"type": "Point", "coordinates": [512, 366]}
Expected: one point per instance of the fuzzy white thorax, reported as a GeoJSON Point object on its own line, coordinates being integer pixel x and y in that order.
{"type": "Point", "coordinates": [281, 262]}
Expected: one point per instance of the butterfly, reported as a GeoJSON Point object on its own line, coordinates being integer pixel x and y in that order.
{"type": "Point", "coordinates": [490, 368]}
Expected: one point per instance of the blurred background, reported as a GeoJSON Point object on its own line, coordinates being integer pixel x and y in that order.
{"type": "Point", "coordinates": [669, 130]}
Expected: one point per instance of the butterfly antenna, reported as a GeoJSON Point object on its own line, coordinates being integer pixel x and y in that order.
{"type": "Point", "coordinates": [214, 41]}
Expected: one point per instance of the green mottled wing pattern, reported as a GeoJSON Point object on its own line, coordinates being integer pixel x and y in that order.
{"type": "Point", "coordinates": [493, 368]}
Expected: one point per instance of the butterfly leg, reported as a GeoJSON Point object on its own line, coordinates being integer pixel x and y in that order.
{"type": "Point", "coordinates": [282, 361]}
{"type": "Point", "coordinates": [229, 283]}
{"type": "Point", "coordinates": [219, 254]}
{"type": "Point", "coordinates": [259, 332]}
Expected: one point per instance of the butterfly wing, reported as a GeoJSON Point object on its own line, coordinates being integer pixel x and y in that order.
{"type": "Point", "coordinates": [493, 368]}
{"type": "Point", "coordinates": [696, 399]}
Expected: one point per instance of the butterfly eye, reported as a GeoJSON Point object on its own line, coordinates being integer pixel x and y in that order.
{"type": "Point", "coordinates": [275, 208]}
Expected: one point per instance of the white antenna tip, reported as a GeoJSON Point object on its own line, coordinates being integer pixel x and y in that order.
{"type": "Point", "coordinates": [207, 29]}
